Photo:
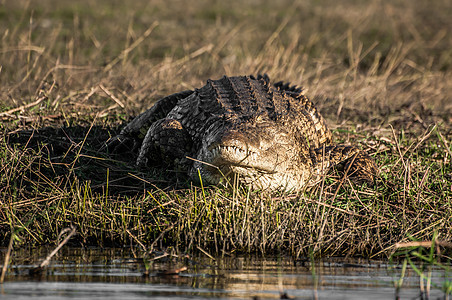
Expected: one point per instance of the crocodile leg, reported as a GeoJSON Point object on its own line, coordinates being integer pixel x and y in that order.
{"type": "Point", "coordinates": [131, 136]}
{"type": "Point", "coordinates": [165, 140]}
{"type": "Point", "coordinates": [354, 162]}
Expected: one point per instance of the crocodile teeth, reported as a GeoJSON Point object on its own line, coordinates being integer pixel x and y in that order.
{"type": "Point", "coordinates": [236, 152]}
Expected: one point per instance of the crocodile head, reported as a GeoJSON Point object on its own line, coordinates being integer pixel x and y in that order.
{"type": "Point", "coordinates": [262, 155]}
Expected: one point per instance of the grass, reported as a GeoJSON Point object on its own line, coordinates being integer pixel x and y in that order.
{"type": "Point", "coordinates": [72, 73]}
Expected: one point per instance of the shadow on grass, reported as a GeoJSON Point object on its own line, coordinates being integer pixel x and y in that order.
{"type": "Point", "coordinates": [79, 152]}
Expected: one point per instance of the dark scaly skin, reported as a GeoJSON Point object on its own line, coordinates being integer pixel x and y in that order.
{"type": "Point", "coordinates": [271, 136]}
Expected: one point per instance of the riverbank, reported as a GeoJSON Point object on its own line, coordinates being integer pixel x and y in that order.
{"type": "Point", "coordinates": [72, 74]}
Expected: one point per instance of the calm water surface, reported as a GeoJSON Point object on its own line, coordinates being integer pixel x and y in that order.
{"type": "Point", "coordinates": [118, 274]}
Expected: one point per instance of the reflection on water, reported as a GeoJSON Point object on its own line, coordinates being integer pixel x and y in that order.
{"type": "Point", "coordinates": [117, 274]}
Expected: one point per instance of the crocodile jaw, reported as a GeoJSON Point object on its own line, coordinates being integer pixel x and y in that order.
{"type": "Point", "coordinates": [252, 167]}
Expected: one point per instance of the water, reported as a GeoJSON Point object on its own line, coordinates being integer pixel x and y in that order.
{"type": "Point", "coordinates": [118, 274]}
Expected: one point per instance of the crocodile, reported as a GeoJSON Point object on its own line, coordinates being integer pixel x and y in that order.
{"type": "Point", "coordinates": [267, 136]}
